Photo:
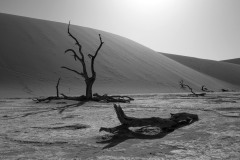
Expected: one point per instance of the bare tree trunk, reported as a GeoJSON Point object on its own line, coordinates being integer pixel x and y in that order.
{"type": "Point", "coordinates": [57, 87]}
{"type": "Point", "coordinates": [89, 83]}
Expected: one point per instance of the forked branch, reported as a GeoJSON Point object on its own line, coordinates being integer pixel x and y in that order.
{"type": "Point", "coordinates": [76, 57]}
{"type": "Point", "coordinates": [74, 71]}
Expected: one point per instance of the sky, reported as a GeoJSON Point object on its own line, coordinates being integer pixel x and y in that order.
{"type": "Point", "coordinates": [208, 29]}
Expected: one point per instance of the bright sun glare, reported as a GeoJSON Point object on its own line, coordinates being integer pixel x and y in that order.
{"type": "Point", "coordinates": [150, 6]}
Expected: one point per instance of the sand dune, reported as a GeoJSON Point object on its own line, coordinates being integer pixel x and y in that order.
{"type": "Point", "coordinates": [218, 69]}
{"type": "Point", "coordinates": [234, 61]}
{"type": "Point", "coordinates": [32, 52]}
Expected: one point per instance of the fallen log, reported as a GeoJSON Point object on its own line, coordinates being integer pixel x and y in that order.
{"type": "Point", "coordinates": [107, 98]}
{"type": "Point", "coordinates": [197, 94]}
{"type": "Point", "coordinates": [165, 124]}
{"type": "Point", "coordinates": [96, 98]}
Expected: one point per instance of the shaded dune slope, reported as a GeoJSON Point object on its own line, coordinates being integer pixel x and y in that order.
{"type": "Point", "coordinates": [221, 70]}
{"type": "Point", "coordinates": [233, 61]}
{"type": "Point", "coordinates": [32, 52]}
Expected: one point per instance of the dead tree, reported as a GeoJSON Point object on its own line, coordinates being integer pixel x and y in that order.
{"type": "Point", "coordinates": [205, 89]}
{"type": "Point", "coordinates": [48, 99]}
{"type": "Point", "coordinates": [165, 124]}
{"type": "Point", "coordinates": [89, 80]}
{"type": "Point", "coordinates": [184, 86]}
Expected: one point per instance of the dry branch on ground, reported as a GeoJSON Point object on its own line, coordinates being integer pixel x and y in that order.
{"type": "Point", "coordinates": [96, 97]}
{"type": "Point", "coordinates": [107, 98]}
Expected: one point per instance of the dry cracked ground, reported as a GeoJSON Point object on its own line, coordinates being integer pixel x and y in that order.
{"type": "Point", "coordinates": [70, 130]}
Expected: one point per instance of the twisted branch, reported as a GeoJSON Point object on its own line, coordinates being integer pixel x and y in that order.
{"type": "Point", "coordinates": [182, 85]}
{"type": "Point", "coordinates": [74, 54]}
{"type": "Point", "coordinates": [94, 56]}
{"type": "Point", "coordinates": [84, 74]}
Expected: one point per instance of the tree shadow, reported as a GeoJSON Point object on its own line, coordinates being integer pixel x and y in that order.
{"type": "Point", "coordinates": [62, 109]}
{"type": "Point", "coordinates": [146, 132]}
{"type": "Point", "coordinates": [59, 109]}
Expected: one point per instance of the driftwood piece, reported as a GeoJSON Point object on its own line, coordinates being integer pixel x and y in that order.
{"type": "Point", "coordinates": [165, 124]}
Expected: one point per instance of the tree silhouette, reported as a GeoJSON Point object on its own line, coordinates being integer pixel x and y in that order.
{"type": "Point", "coordinates": [89, 80]}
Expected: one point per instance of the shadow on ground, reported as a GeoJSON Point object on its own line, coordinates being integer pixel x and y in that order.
{"type": "Point", "coordinates": [146, 132]}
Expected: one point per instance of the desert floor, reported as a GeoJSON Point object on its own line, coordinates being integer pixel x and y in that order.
{"type": "Point", "coordinates": [70, 130]}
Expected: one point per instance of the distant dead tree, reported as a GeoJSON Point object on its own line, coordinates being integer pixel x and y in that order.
{"type": "Point", "coordinates": [57, 97]}
{"type": "Point", "coordinates": [205, 89]}
{"type": "Point", "coordinates": [224, 90]}
{"type": "Point", "coordinates": [89, 80]}
{"type": "Point", "coordinates": [184, 86]}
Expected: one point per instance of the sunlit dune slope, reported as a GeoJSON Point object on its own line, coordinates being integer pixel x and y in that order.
{"type": "Point", "coordinates": [32, 53]}
{"type": "Point", "coordinates": [233, 61]}
{"type": "Point", "coordinates": [221, 70]}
